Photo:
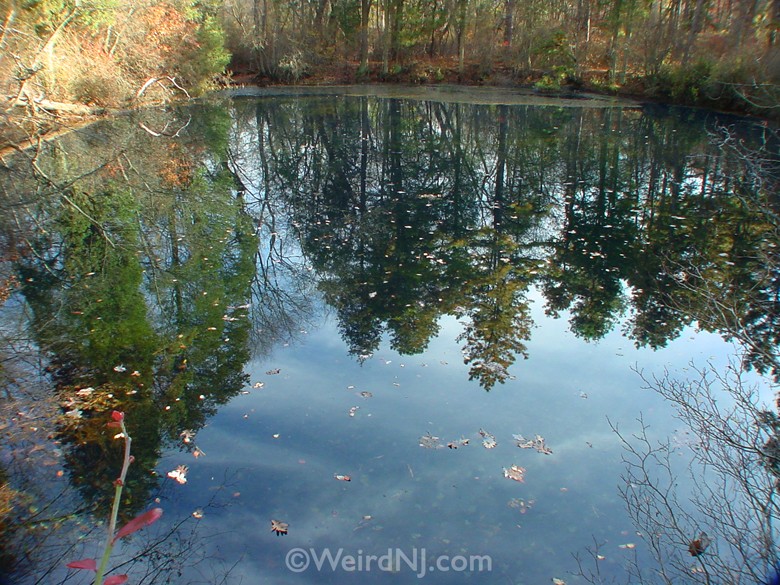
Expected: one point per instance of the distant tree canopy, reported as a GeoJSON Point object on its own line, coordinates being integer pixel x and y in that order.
{"type": "Point", "coordinates": [679, 49]}
{"type": "Point", "coordinates": [103, 52]}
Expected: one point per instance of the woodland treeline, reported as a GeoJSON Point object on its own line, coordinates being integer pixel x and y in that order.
{"type": "Point", "coordinates": [108, 53]}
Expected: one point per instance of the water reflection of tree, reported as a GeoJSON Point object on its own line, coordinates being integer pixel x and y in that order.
{"type": "Point", "coordinates": [138, 272]}
{"type": "Point", "coordinates": [707, 509]}
{"type": "Point", "coordinates": [404, 207]}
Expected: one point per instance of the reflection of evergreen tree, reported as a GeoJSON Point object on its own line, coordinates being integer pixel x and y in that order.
{"type": "Point", "coordinates": [397, 203]}
{"type": "Point", "coordinates": [102, 273]}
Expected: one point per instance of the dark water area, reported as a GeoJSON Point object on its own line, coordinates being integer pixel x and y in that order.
{"type": "Point", "coordinates": [404, 325]}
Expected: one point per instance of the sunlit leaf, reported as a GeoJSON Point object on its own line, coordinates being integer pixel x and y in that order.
{"type": "Point", "coordinates": [179, 474]}
{"type": "Point", "coordinates": [535, 443]}
{"type": "Point", "coordinates": [279, 527]}
{"type": "Point", "coordinates": [515, 472]}
{"type": "Point", "coordinates": [115, 580]}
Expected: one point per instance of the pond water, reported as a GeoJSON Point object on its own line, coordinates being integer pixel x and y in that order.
{"type": "Point", "coordinates": [402, 322]}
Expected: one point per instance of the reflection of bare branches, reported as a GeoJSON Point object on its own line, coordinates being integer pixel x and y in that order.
{"type": "Point", "coordinates": [282, 294]}
{"type": "Point", "coordinates": [165, 131]}
{"type": "Point", "coordinates": [728, 312]}
{"type": "Point", "coordinates": [282, 285]}
{"type": "Point", "coordinates": [726, 490]}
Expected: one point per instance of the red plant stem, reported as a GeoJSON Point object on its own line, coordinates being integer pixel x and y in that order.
{"type": "Point", "coordinates": [118, 485]}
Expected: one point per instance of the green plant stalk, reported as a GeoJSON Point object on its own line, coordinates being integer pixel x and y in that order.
{"type": "Point", "coordinates": [119, 484]}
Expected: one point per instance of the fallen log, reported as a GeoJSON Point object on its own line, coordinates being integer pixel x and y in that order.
{"type": "Point", "coordinates": [60, 107]}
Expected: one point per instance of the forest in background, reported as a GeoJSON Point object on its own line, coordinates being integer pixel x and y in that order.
{"type": "Point", "coordinates": [79, 56]}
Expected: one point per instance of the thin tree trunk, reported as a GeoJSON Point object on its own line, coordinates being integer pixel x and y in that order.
{"type": "Point", "coordinates": [461, 32]}
{"type": "Point", "coordinates": [365, 10]}
{"type": "Point", "coordinates": [509, 24]}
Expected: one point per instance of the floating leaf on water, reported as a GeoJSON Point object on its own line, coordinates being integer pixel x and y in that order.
{"type": "Point", "coordinates": [197, 514]}
{"type": "Point", "coordinates": [535, 443]}
{"type": "Point", "coordinates": [197, 452]}
{"type": "Point", "coordinates": [340, 477]}
{"type": "Point", "coordinates": [120, 368]}
{"type": "Point", "coordinates": [557, 581]}
{"type": "Point", "coordinates": [488, 440]}
{"type": "Point", "coordinates": [698, 545]}
{"type": "Point", "coordinates": [187, 435]}
{"type": "Point", "coordinates": [258, 385]}
{"type": "Point", "coordinates": [353, 410]}
{"type": "Point", "coordinates": [628, 545]}
{"type": "Point", "coordinates": [273, 372]}
{"type": "Point", "coordinates": [365, 394]}
{"type": "Point", "coordinates": [489, 443]}
{"type": "Point", "coordinates": [459, 443]}
{"type": "Point", "coordinates": [522, 505]}
{"type": "Point", "coordinates": [179, 474]}
{"type": "Point", "coordinates": [515, 472]}
{"type": "Point", "coordinates": [279, 527]}
{"type": "Point", "coordinates": [428, 441]}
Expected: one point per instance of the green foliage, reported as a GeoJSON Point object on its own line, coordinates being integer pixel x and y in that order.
{"type": "Point", "coordinates": [211, 58]}
{"type": "Point", "coordinates": [548, 83]}
{"type": "Point", "coordinates": [687, 84]}
{"type": "Point", "coordinates": [346, 13]}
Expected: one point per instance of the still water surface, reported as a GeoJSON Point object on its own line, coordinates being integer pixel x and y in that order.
{"type": "Point", "coordinates": [308, 287]}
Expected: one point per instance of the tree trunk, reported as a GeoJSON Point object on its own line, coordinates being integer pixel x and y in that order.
{"type": "Point", "coordinates": [509, 16]}
{"type": "Point", "coordinates": [461, 32]}
{"type": "Point", "coordinates": [365, 10]}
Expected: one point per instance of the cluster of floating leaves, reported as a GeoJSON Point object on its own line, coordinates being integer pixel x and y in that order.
{"type": "Point", "coordinates": [522, 505]}
{"type": "Point", "coordinates": [459, 443]}
{"type": "Point", "coordinates": [428, 441]}
{"type": "Point", "coordinates": [535, 443]}
{"type": "Point", "coordinates": [515, 472]}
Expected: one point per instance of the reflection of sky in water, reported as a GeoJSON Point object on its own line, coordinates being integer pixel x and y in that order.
{"type": "Point", "coordinates": [449, 502]}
